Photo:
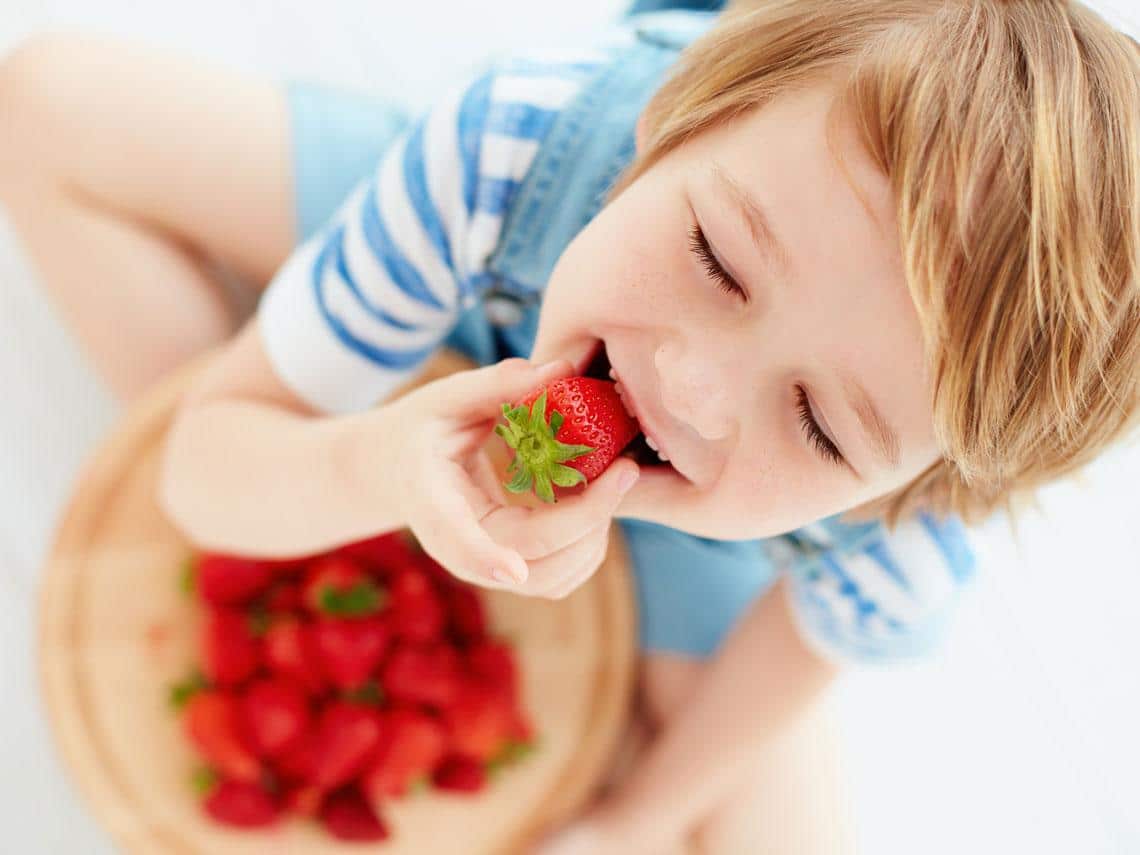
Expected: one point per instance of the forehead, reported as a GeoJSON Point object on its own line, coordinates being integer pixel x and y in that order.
{"type": "Point", "coordinates": [801, 153]}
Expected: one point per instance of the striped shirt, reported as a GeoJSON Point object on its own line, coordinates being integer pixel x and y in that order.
{"type": "Point", "coordinates": [359, 307]}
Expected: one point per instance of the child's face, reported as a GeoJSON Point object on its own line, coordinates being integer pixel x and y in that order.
{"type": "Point", "coordinates": [721, 382]}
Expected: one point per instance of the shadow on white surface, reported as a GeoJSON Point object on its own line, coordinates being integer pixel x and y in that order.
{"type": "Point", "coordinates": [1021, 738]}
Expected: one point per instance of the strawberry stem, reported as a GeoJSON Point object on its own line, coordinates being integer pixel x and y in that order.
{"type": "Point", "coordinates": [539, 457]}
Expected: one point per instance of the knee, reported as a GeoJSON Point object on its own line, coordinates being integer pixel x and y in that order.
{"type": "Point", "coordinates": [33, 82]}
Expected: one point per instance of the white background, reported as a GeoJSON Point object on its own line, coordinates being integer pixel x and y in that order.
{"type": "Point", "coordinates": [1022, 738]}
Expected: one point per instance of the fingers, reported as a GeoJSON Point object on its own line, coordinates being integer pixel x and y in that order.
{"type": "Point", "coordinates": [538, 532]}
{"type": "Point", "coordinates": [482, 392]}
{"type": "Point", "coordinates": [559, 575]}
{"type": "Point", "coordinates": [447, 526]}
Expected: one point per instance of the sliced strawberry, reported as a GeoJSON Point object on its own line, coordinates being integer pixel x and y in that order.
{"type": "Point", "coordinates": [493, 663]}
{"type": "Point", "coordinates": [231, 652]}
{"type": "Point", "coordinates": [412, 745]}
{"type": "Point", "coordinates": [289, 654]}
{"type": "Point", "coordinates": [349, 651]}
{"type": "Point", "coordinates": [481, 721]}
{"type": "Point", "coordinates": [348, 816]}
{"type": "Point", "coordinates": [467, 616]}
{"type": "Point", "coordinates": [428, 674]}
{"type": "Point", "coordinates": [460, 774]}
{"type": "Point", "coordinates": [275, 713]}
{"type": "Point", "coordinates": [565, 434]}
{"type": "Point", "coordinates": [226, 580]}
{"type": "Point", "coordinates": [242, 805]}
{"type": "Point", "coordinates": [416, 611]}
{"type": "Point", "coordinates": [212, 721]}
{"type": "Point", "coordinates": [345, 739]}
{"type": "Point", "coordinates": [337, 586]}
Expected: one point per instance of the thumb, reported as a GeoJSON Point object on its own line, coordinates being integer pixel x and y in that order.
{"type": "Point", "coordinates": [480, 393]}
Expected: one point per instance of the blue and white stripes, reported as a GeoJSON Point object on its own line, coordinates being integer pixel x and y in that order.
{"type": "Point", "coordinates": [362, 305]}
{"type": "Point", "coordinates": [860, 593]}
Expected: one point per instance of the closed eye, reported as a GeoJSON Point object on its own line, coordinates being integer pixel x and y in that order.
{"type": "Point", "coordinates": [814, 433]}
{"type": "Point", "coordinates": [700, 247]}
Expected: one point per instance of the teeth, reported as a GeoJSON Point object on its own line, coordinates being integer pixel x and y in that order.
{"type": "Point", "coordinates": [624, 403]}
{"type": "Point", "coordinates": [662, 456]}
{"type": "Point", "coordinates": [613, 374]}
{"type": "Point", "coordinates": [652, 444]}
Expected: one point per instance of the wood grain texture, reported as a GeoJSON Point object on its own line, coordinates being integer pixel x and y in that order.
{"type": "Point", "coordinates": [116, 631]}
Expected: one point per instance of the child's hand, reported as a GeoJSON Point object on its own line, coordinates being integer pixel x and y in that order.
{"type": "Point", "coordinates": [452, 500]}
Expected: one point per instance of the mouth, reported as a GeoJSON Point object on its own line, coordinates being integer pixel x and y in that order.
{"type": "Point", "coordinates": [641, 450]}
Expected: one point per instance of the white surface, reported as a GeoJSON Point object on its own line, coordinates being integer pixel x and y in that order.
{"type": "Point", "coordinates": [1021, 739]}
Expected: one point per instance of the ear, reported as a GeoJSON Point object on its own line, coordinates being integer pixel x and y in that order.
{"type": "Point", "coordinates": [641, 132]}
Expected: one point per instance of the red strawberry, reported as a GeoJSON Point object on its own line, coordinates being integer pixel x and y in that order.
{"type": "Point", "coordinates": [348, 816]}
{"type": "Point", "coordinates": [412, 744]}
{"type": "Point", "coordinates": [337, 586]}
{"type": "Point", "coordinates": [564, 434]}
{"type": "Point", "coordinates": [296, 761]}
{"type": "Point", "coordinates": [468, 618]}
{"type": "Point", "coordinates": [283, 598]}
{"type": "Point", "coordinates": [226, 580]}
{"type": "Point", "coordinates": [417, 614]}
{"type": "Point", "coordinates": [214, 726]}
{"type": "Point", "coordinates": [275, 714]}
{"type": "Point", "coordinates": [460, 774]}
{"type": "Point", "coordinates": [241, 804]}
{"type": "Point", "coordinates": [422, 675]}
{"type": "Point", "coordinates": [231, 652]}
{"type": "Point", "coordinates": [382, 553]}
{"type": "Point", "coordinates": [345, 739]}
{"type": "Point", "coordinates": [289, 654]}
{"type": "Point", "coordinates": [302, 800]}
{"type": "Point", "coordinates": [493, 663]}
{"type": "Point", "coordinates": [481, 721]}
{"type": "Point", "coordinates": [349, 650]}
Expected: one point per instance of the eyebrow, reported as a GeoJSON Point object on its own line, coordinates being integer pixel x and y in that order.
{"type": "Point", "coordinates": [878, 431]}
{"type": "Point", "coordinates": [754, 216]}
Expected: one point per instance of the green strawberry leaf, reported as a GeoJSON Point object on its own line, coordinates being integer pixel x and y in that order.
{"type": "Point", "coordinates": [369, 694]}
{"type": "Point", "coordinates": [188, 579]}
{"type": "Point", "coordinates": [203, 780]}
{"type": "Point", "coordinates": [361, 600]}
{"type": "Point", "coordinates": [180, 693]}
{"type": "Point", "coordinates": [522, 481]}
{"type": "Point", "coordinates": [564, 476]}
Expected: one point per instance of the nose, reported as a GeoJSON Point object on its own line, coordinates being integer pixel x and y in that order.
{"type": "Point", "coordinates": [695, 388]}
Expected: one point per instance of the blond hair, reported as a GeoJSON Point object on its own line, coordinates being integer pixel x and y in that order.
{"type": "Point", "coordinates": [1009, 134]}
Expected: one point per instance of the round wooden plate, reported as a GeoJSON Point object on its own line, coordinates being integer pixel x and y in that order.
{"type": "Point", "coordinates": [116, 631]}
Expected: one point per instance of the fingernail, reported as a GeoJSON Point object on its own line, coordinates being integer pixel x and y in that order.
{"type": "Point", "coordinates": [627, 479]}
{"type": "Point", "coordinates": [508, 575]}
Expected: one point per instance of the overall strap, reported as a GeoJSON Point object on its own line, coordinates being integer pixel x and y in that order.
{"type": "Point", "coordinates": [585, 150]}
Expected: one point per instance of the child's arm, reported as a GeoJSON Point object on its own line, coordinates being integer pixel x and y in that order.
{"type": "Point", "coordinates": [250, 470]}
{"type": "Point", "coordinates": [763, 679]}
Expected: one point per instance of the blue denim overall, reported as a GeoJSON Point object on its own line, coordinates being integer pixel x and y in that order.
{"type": "Point", "coordinates": [691, 590]}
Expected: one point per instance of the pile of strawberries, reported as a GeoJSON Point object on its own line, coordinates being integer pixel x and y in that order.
{"type": "Point", "coordinates": [331, 684]}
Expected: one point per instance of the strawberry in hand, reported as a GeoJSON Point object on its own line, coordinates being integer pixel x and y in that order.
{"type": "Point", "coordinates": [564, 434]}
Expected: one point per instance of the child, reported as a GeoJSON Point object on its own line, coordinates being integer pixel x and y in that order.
{"type": "Point", "coordinates": [872, 256]}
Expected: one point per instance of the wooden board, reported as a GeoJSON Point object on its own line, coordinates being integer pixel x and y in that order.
{"type": "Point", "coordinates": [116, 631]}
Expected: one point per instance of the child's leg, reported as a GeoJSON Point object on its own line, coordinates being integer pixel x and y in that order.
{"type": "Point", "coordinates": [795, 800]}
{"type": "Point", "coordinates": [127, 173]}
